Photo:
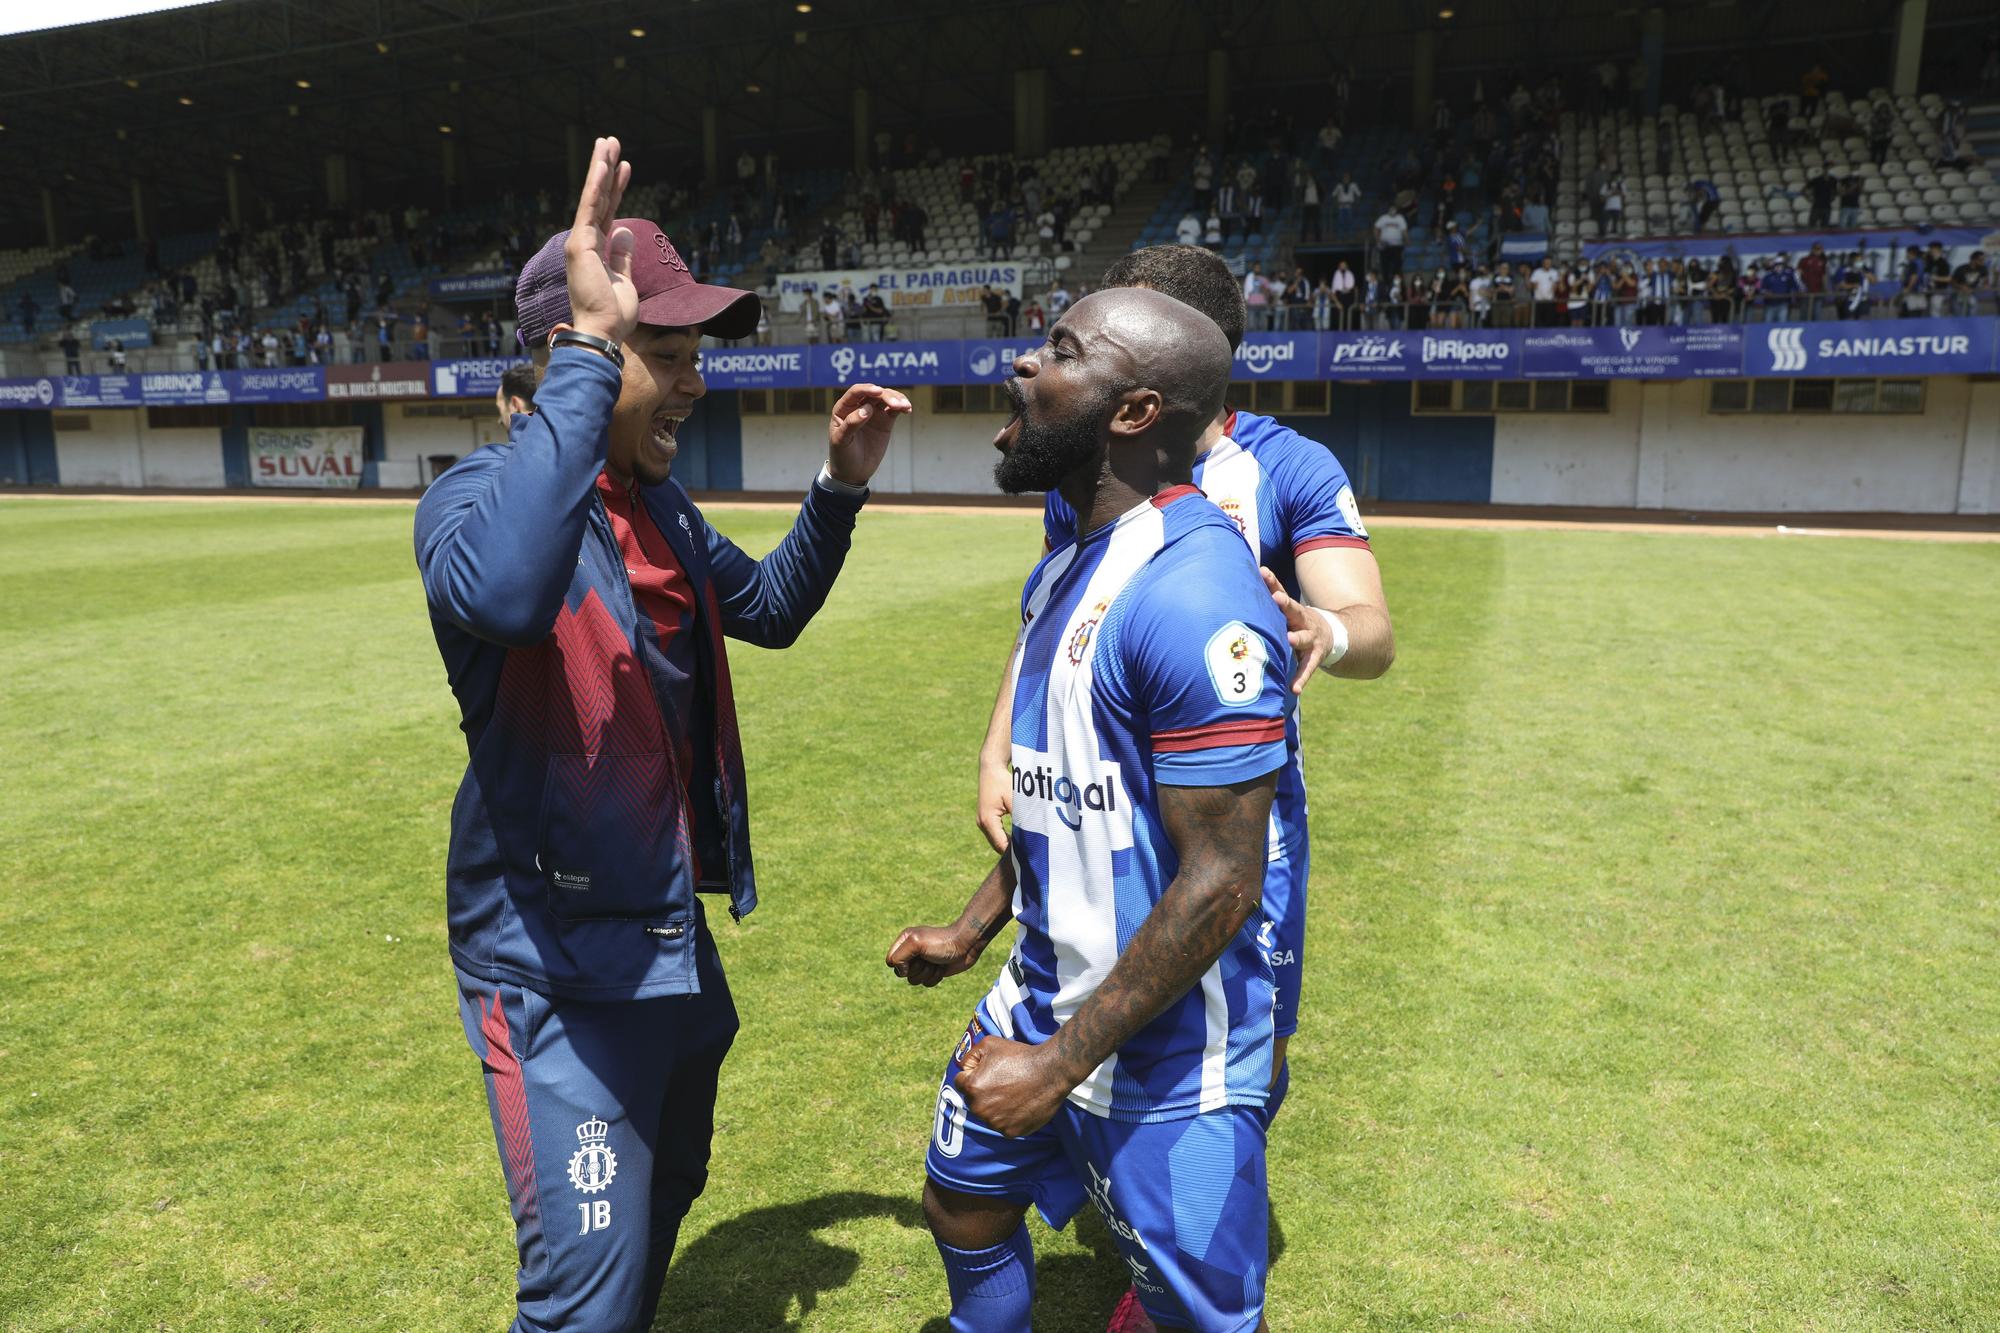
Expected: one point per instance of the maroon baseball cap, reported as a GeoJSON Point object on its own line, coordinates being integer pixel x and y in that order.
{"type": "Point", "coordinates": [668, 294]}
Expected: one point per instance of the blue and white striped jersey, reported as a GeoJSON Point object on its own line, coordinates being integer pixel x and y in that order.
{"type": "Point", "coordinates": [1148, 655]}
{"type": "Point", "coordinates": [1287, 495]}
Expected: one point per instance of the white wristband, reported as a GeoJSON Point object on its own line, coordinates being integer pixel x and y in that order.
{"type": "Point", "coordinates": [1339, 633]}
{"type": "Point", "coordinates": [836, 485]}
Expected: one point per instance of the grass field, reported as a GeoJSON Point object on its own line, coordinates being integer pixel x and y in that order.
{"type": "Point", "coordinates": [1652, 983]}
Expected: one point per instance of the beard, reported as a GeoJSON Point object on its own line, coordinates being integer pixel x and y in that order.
{"type": "Point", "coordinates": [1045, 453]}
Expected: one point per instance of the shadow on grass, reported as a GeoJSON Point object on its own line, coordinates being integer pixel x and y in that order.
{"type": "Point", "coordinates": [745, 1274]}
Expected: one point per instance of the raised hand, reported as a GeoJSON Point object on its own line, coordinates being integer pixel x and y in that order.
{"type": "Point", "coordinates": [597, 258]}
{"type": "Point", "coordinates": [1307, 633]}
{"type": "Point", "coordinates": [858, 434]}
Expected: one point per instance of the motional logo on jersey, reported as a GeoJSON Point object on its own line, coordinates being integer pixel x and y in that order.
{"type": "Point", "coordinates": [1049, 796]}
{"type": "Point", "coordinates": [594, 1165]}
{"type": "Point", "coordinates": [1079, 641]}
{"type": "Point", "coordinates": [1236, 664]}
{"type": "Point", "coordinates": [1350, 510]}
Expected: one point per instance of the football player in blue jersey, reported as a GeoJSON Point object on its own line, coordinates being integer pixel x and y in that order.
{"type": "Point", "coordinates": [1290, 499]}
{"type": "Point", "coordinates": [1122, 1056]}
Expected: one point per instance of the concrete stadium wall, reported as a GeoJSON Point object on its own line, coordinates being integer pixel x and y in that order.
{"type": "Point", "coordinates": [1660, 448]}
{"type": "Point", "coordinates": [120, 449]}
{"type": "Point", "coordinates": [929, 453]}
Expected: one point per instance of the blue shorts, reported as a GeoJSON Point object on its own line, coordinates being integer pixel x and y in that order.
{"type": "Point", "coordinates": [1185, 1200]}
{"type": "Point", "coordinates": [1282, 937]}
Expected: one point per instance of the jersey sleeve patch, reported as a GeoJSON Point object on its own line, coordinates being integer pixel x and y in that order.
{"type": "Point", "coordinates": [1235, 658]}
{"type": "Point", "coordinates": [1350, 510]}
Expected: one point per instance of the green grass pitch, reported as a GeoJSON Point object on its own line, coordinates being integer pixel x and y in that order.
{"type": "Point", "coordinates": [1652, 977]}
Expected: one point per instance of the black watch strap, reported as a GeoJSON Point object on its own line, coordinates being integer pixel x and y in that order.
{"type": "Point", "coordinates": [603, 346]}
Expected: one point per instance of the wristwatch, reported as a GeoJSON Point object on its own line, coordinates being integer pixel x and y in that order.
{"type": "Point", "coordinates": [602, 346]}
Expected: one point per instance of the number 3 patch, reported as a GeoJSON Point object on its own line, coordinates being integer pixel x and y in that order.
{"type": "Point", "coordinates": [1236, 664]}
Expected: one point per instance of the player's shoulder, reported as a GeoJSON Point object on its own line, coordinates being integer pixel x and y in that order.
{"type": "Point", "coordinates": [1275, 445]}
{"type": "Point", "coordinates": [1196, 533]}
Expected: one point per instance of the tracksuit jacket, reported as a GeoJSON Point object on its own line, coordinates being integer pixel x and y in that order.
{"type": "Point", "coordinates": [571, 869]}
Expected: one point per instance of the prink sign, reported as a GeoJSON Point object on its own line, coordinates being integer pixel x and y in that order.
{"type": "Point", "coordinates": [1364, 355]}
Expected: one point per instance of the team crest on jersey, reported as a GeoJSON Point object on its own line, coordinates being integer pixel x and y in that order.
{"type": "Point", "coordinates": [594, 1165]}
{"type": "Point", "coordinates": [1079, 642]}
{"type": "Point", "coordinates": [966, 1042]}
{"type": "Point", "coordinates": [1233, 507]}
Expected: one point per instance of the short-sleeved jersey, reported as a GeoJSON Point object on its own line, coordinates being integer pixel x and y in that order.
{"type": "Point", "coordinates": [1146, 658]}
{"type": "Point", "coordinates": [1287, 495]}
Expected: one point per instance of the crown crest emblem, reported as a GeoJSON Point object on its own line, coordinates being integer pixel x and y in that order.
{"type": "Point", "coordinates": [592, 1131]}
{"type": "Point", "coordinates": [594, 1164]}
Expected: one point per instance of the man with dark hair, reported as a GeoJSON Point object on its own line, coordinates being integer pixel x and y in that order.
{"type": "Point", "coordinates": [1291, 502]}
{"type": "Point", "coordinates": [516, 394]}
{"type": "Point", "coordinates": [1122, 1057]}
{"type": "Point", "coordinates": [580, 602]}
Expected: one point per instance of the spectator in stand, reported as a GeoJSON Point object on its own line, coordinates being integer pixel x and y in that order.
{"type": "Point", "coordinates": [1253, 215]}
{"type": "Point", "coordinates": [420, 340]}
{"type": "Point", "coordinates": [117, 356]}
{"type": "Point", "coordinates": [65, 301]}
{"type": "Point", "coordinates": [1506, 310]}
{"type": "Point", "coordinates": [1189, 230]}
{"type": "Point", "coordinates": [1391, 232]}
{"type": "Point", "coordinates": [996, 318]}
{"type": "Point", "coordinates": [1309, 209]}
{"type": "Point", "coordinates": [1603, 295]}
{"type": "Point", "coordinates": [1035, 318]}
{"type": "Point", "coordinates": [1328, 142]}
{"type": "Point", "coordinates": [1058, 299]}
{"type": "Point", "coordinates": [1204, 180]}
{"type": "Point", "coordinates": [833, 316]}
{"type": "Point", "coordinates": [874, 315]}
{"type": "Point", "coordinates": [268, 343]}
{"type": "Point", "coordinates": [1850, 201]}
{"type": "Point", "coordinates": [1013, 315]}
{"type": "Point", "coordinates": [1454, 297]}
{"type": "Point", "coordinates": [322, 346]}
{"type": "Point", "coordinates": [1937, 266]}
{"type": "Point", "coordinates": [1257, 297]}
{"type": "Point", "coordinates": [1345, 196]}
{"type": "Point", "coordinates": [829, 245]}
{"type": "Point", "coordinates": [1812, 279]}
{"type": "Point", "coordinates": [1912, 296]}
{"type": "Point", "coordinates": [200, 346]}
{"type": "Point", "coordinates": [1655, 290]}
{"type": "Point", "coordinates": [1851, 288]}
{"type": "Point", "coordinates": [1298, 300]}
{"type": "Point", "coordinates": [1702, 201]}
{"type": "Point", "coordinates": [1343, 285]}
{"type": "Point", "coordinates": [1001, 228]}
{"type": "Point", "coordinates": [1542, 284]}
{"type": "Point", "coordinates": [1881, 129]}
{"type": "Point", "coordinates": [1812, 86]}
{"type": "Point", "coordinates": [1780, 131]}
{"type": "Point", "coordinates": [1374, 294]}
{"type": "Point", "coordinates": [1479, 298]}
{"type": "Point", "coordinates": [1229, 207]}
{"type": "Point", "coordinates": [1822, 189]}
{"type": "Point", "coordinates": [1246, 177]}
{"type": "Point", "coordinates": [1322, 305]}
{"type": "Point", "coordinates": [1968, 281]}
{"type": "Point", "coordinates": [1625, 295]}
{"type": "Point", "coordinates": [72, 351]}
{"type": "Point", "coordinates": [1613, 196]}
{"type": "Point", "coordinates": [27, 308]}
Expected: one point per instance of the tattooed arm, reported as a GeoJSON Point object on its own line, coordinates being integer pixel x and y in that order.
{"type": "Point", "coordinates": [1220, 835]}
{"type": "Point", "coordinates": [926, 955]}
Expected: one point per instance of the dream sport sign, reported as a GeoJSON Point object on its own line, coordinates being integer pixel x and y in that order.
{"type": "Point", "coordinates": [903, 288]}
{"type": "Point", "coordinates": [325, 458]}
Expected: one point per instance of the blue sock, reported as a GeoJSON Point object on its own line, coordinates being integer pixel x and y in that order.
{"type": "Point", "coordinates": [991, 1290]}
{"type": "Point", "coordinates": [1276, 1096]}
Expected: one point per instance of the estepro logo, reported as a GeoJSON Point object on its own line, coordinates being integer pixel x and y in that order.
{"type": "Point", "coordinates": [1787, 348]}
{"type": "Point", "coordinates": [1460, 351]}
{"type": "Point", "coordinates": [751, 363]}
{"type": "Point", "coordinates": [40, 392]}
{"type": "Point", "coordinates": [1368, 351]}
{"type": "Point", "coordinates": [1259, 357]}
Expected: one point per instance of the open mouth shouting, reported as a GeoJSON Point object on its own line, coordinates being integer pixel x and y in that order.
{"type": "Point", "coordinates": [666, 429]}
{"type": "Point", "coordinates": [1003, 439]}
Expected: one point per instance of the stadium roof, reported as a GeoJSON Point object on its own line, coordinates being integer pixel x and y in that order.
{"type": "Point", "coordinates": [175, 99]}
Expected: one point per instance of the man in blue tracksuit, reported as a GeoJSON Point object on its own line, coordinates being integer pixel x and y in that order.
{"type": "Point", "coordinates": [580, 601]}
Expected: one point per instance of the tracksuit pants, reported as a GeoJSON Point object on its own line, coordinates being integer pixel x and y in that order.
{"type": "Point", "coordinates": [603, 1112]}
